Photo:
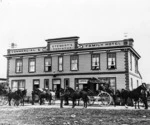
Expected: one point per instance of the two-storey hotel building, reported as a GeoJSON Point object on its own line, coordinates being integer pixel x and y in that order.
{"type": "Point", "coordinates": [65, 62]}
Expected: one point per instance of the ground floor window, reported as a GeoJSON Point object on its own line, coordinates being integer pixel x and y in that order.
{"type": "Point", "coordinates": [83, 83]}
{"type": "Point", "coordinates": [110, 81]}
{"type": "Point", "coordinates": [17, 84]}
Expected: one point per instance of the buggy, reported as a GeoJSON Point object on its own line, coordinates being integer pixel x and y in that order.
{"type": "Point", "coordinates": [99, 92]}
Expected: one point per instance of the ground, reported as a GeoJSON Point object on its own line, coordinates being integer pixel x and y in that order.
{"type": "Point", "coordinates": [53, 115]}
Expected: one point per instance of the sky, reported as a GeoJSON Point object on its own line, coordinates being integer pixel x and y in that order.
{"type": "Point", "coordinates": [28, 23]}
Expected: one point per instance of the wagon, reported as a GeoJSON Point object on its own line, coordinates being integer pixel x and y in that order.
{"type": "Point", "coordinates": [97, 96]}
{"type": "Point", "coordinates": [4, 101]}
{"type": "Point", "coordinates": [14, 97]}
{"type": "Point", "coordinates": [3, 96]}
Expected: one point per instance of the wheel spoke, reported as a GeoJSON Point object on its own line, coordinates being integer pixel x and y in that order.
{"type": "Point", "coordinates": [91, 100]}
{"type": "Point", "coordinates": [1, 102]}
{"type": "Point", "coordinates": [105, 99]}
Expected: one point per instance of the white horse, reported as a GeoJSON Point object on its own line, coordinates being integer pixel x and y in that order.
{"type": "Point", "coordinates": [53, 96]}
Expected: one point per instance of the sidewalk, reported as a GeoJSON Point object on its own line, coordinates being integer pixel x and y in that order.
{"type": "Point", "coordinates": [94, 106]}
{"type": "Point", "coordinates": [57, 105]}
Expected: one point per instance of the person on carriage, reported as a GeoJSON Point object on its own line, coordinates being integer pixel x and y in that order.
{"type": "Point", "coordinates": [109, 89]}
{"type": "Point", "coordinates": [101, 87]}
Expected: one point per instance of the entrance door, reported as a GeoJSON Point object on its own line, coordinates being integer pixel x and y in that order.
{"type": "Point", "coordinates": [36, 84]}
{"type": "Point", "coordinates": [56, 87]}
{"type": "Point", "coordinates": [66, 83]}
{"type": "Point", "coordinates": [85, 86]}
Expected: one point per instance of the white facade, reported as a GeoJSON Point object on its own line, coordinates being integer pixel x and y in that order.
{"type": "Point", "coordinates": [91, 60]}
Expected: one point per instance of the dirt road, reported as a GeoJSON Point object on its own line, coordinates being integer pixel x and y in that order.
{"type": "Point", "coordinates": [53, 115]}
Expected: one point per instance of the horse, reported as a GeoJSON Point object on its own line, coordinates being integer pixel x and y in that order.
{"type": "Point", "coordinates": [22, 95]}
{"type": "Point", "coordinates": [116, 97]}
{"type": "Point", "coordinates": [18, 96]}
{"type": "Point", "coordinates": [135, 95]}
{"type": "Point", "coordinates": [42, 94]}
{"type": "Point", "coordinates": [53, 96]}
{"type": "Point", "coordinates": [144, 97]}
{"type": "Point", "coordinates": [74, 95]}
{"type": "Point", "coordinates": [63, 96]}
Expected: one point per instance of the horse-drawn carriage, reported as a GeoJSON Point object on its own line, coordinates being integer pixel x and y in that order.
{"type": "Point", "coordinates": [42, 96]}
{"type": "Point", "coordinates": [99, 92]}
{"type": "Point", "coordinates": [89, 94]}
{"type": "Point", "coordinates": [9, 97]}
{"type": "Point", "coordinates": [3, 92]}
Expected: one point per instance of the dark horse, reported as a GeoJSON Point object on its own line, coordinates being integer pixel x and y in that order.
{"type": "Point", "coordinates": [42, 95]}
{"type": "Point", "coordinates": [17, 96]}
{"type": "Point", "coordinates": [116, 96]}
{"type": "Point", "coordinates": [135, 95]}
{"type": "Point", "coordinates": [74, 95]}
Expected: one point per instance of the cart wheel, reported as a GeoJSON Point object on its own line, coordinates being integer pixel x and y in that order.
{"type": "Point", "coordinates": [1, 101]}
{"type": "Point", "coordinates": [91, 100]}
{"type": "Point", "coordinates": [17, 102]}
{"type": "Point", "coordinates": [5, 101]}
{"type": "Point", "coordinates": [105, 99]}
{"type": "Point", "coordinates": [148, 101]}
{"type": "Point", "coordinates": [12, 102]}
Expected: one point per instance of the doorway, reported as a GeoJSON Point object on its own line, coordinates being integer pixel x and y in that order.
{"type": "Point", "coordinates": [56, 87]}
{"type": "Point", "coordinates": [66, 83]}
{"type": "Point", "coordinates": [36, 84]}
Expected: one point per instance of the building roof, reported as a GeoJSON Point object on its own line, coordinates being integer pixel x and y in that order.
{"type": "Point", "coordinates": [63, 39]}
{"type": "Point", "coordinates": [58, 45]}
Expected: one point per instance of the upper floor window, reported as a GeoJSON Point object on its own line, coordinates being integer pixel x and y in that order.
{"type": "Point", "coordinates": [136, 65]}
{"type": "Point", "coordinates": [48, 64]}
{"type": "Point", "coordinates": [95, 61]}
{"type": "Point", "coordinates": [32, 65]}
{"type": "Point", "coordinates": [111, 58]}
{"type": "Point", "coordinates": [60, 63]}
{"type": "Point", "coordinates": [130, 61]}
{"type": "Point", "coordinates": [19, 66]}
{"type": "Point", "coordinates": [74, 62]}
